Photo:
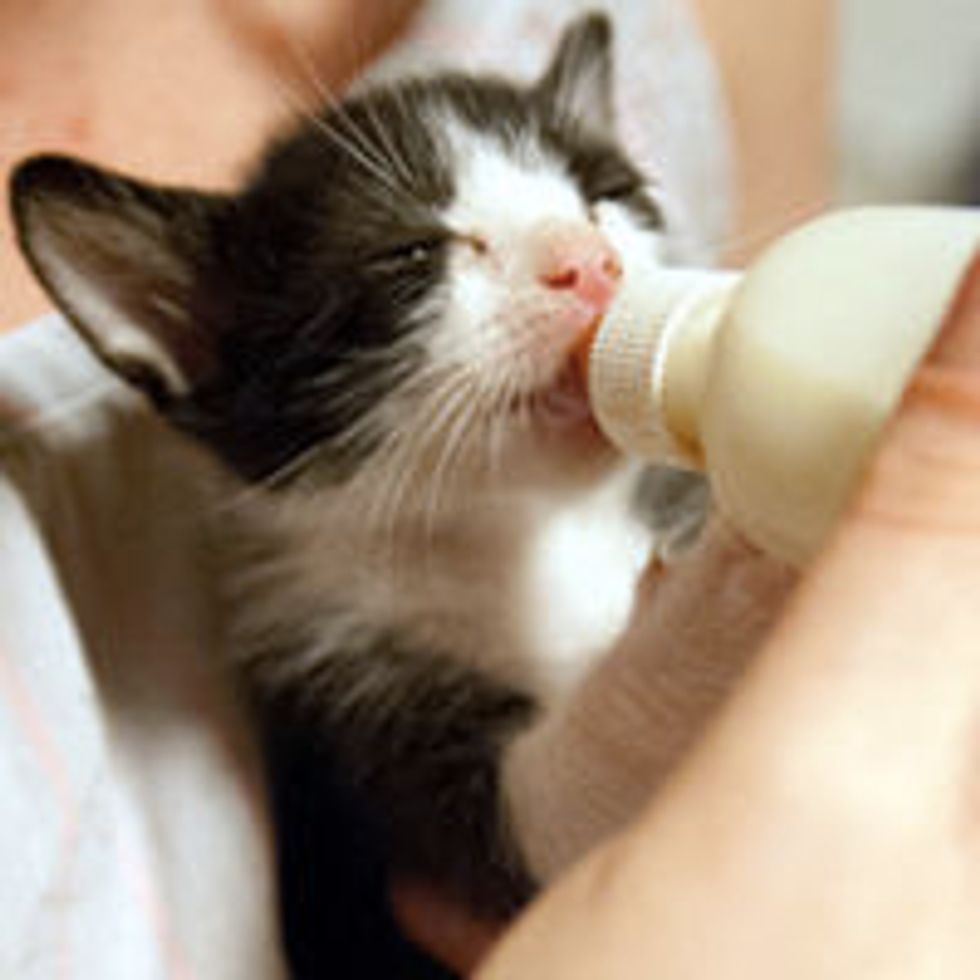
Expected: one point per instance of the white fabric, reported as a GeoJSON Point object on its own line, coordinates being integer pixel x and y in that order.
{"type": "Point", "coordinates": [133, 845]}
{"type": "Point", "coordinates": [907, 100]}
{"type": "Point", "coordinates": [132, 837]}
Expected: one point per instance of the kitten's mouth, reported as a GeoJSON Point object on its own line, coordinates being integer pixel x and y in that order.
{"type": "Point", "coordinates": [561, 409]}
{"type": "Point", "coordinates": [564, 400]}
{"type": "Point", "coordinates": [557, 408]}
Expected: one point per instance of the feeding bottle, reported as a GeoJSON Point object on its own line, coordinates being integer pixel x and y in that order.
{"type": "Point", "coordinates": [777, 381]}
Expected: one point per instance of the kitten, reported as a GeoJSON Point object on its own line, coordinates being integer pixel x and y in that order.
{"type": "Point", "coordinates": [375, 338]}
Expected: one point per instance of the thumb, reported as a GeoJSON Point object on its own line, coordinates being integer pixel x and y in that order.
{"type": "Point", "coordinates": [905, 561]}
{"type": "Point", "coordinates": [881, 644]}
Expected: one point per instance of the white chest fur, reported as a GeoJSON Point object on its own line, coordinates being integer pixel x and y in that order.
{"type": "Point", "coordinates": [578, 581]}
{"type": "Point", "coordinates": [529, 587]}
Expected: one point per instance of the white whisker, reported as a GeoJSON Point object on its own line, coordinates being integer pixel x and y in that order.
{"type": "Point", "coordinates": [350, 138]}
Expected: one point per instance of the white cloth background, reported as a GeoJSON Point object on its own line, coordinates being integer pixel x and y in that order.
{"type": "Point", "coordinates": [133, 844]}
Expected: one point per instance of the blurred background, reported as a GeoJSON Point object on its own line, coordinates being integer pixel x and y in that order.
{"type": "Point", "coordinates": [907, 100]}
{"type": "Point", "coordinates": [834, 101]}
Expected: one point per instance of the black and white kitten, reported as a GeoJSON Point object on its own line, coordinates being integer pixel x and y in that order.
{"type": "Point", "coordinates": [375, 336]}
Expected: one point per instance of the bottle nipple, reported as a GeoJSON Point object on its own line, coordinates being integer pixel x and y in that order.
{"type": "Point", "coordinates": [646, 360]}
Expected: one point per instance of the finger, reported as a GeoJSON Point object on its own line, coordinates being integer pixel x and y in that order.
{"type": "Point", "coordinates": [926, 479]}
{"type": "Point", "coordinates": [875, 669]}
{"type": "Point", "coordinates": [959, 341]}
{"type": "Point", "coordinates": [892, 604]}
{"type": "Point", "coordinates": [441, 926]}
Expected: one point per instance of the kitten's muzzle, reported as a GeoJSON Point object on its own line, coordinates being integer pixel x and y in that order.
{"type": "Point", "coordinates": [577, 260]}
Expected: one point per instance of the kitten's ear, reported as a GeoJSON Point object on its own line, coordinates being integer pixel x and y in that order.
{"type": "Point", "coordinates": [121, 259]}
{"type": "Point", "coordinates": [578, 84]}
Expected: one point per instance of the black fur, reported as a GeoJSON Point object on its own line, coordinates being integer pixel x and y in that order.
{"type": "Point", "coordinates": [319, 251]}
{"type": "Point", "coordinates": [282, 303]}
{"type": "Point", "coordinates": [375, 711]}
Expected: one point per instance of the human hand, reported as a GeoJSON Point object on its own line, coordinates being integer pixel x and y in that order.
{"type": "Point", "coordinates": [828, 823]}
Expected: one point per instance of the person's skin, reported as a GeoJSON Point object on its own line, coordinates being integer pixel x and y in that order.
{"type": "Point", "coordinates": [828, 824]}
{"type": "Point", "coordinates": [184, 91]}
{"type": "Point", "coordinates": [774, 60]}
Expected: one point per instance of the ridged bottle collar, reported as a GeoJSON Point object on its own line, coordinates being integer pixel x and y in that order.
{"type": "Point", "coordinates": [626, 373]}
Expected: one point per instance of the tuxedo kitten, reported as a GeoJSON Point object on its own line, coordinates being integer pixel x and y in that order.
{"type": "Point", "coordinates": [431, 542]}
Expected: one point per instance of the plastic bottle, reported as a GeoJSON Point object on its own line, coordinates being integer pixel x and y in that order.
{"type": "Point", "coordinates": [777, 381]}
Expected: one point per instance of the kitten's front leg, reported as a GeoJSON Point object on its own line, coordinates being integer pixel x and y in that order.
{"type": "Point", "coordinates": [584, 769]}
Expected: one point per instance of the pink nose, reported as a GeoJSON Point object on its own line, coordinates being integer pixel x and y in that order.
{"type": "Point", "coordinates": [578, 260]}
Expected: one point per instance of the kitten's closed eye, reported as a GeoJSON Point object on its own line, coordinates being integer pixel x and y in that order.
{"type": "Point", "coordinates": [443, 227]}
{"type": "Point", "coordinates": [423, 249]}
{"type": "Point", "coordinates": [609, 177]}
{"type": "Point", "coordinates": [411, 253]}
{"type": "Point", "coordinates": [616, 187]}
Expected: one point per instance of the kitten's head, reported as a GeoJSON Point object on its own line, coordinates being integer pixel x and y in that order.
{"type": "Point", "coordinates": [402, 281]}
